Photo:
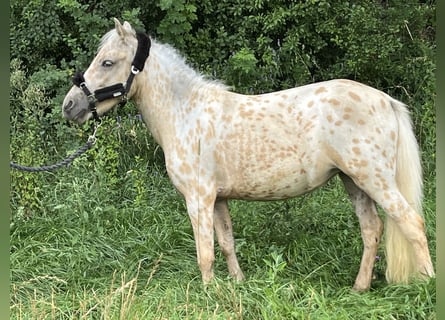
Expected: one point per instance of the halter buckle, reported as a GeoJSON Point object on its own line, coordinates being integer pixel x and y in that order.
{"type": "Point", "coordinates": [134, 70]}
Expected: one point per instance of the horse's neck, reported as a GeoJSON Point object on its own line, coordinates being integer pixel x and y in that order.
{"type": "Point", "coordinates": [170, 93]}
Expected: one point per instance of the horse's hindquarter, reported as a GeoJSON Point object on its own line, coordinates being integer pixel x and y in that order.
{"type": "Point", "coordinates": [286, 143]}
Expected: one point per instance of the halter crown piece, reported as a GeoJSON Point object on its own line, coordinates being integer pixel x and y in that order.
{"type": "Point", "coordinates": [118, 89]}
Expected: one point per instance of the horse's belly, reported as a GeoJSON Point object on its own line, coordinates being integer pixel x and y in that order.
{"type": "Point", "coordinates": [274, 180]}
{"type": "Point", "coordinates": [273, 189]}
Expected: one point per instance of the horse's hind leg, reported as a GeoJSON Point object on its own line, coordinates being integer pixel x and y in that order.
{"type": "Point", "coordinates": [371, 230]}
{"type": "Point", "coordinates": [224, 233]}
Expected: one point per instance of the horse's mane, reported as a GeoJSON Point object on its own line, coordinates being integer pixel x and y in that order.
{"type": "Point", "coordinates": [169, 55]}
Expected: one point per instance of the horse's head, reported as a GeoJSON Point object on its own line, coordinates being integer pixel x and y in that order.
{"type": "Point", "coordinates": [107, 81]}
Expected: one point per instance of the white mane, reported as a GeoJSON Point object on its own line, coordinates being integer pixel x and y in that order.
{"type": "Point", "coordinates": [170, 58]}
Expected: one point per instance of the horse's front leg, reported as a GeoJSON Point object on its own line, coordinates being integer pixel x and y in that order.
{"type": "Point", "coordinates": [200, 209]}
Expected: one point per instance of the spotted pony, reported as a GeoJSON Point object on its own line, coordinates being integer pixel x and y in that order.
{"type": "Point", "coordinates": [222, 145]}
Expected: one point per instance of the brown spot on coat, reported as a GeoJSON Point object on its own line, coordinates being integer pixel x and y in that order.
{"type": "Point", "coordinates": [382, 103]}
{"type": "Point", "coordinates": [356, 150]}
{"type": "Point", "coordinates": [320, 90]}
{"type": "Point", "coordinates": [246, 114]}
{"type": "Point", "coordinates": [363, 163]}
{"type": "Point", "coordinates": [393, 136]}
{"type": "Point", "coordinates": [185, 168]}
{"type": "Point", "coordinates": [354, 96]}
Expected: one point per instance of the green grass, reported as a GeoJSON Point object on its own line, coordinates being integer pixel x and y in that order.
{"type": "Point", "coordinates": [110, 239]}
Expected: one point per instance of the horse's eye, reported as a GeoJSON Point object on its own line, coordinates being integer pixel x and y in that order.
{"type": "Point", "coordinates": [107, 63]}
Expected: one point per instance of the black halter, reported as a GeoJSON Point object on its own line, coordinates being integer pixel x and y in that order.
{"type": "Point", "coordinates": [118, 89]}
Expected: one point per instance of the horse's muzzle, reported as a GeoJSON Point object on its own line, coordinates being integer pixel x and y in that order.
{"type": "Point", "coordinates": [73, 110]}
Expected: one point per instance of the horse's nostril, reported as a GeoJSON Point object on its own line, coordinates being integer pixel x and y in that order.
{"type": "Point", "coordinates": [68, 106]}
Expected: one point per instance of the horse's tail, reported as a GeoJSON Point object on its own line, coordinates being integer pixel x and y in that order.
{"type": "Point", "coordinates": [400, 256]}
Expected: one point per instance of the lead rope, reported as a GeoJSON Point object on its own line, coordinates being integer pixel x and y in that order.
{"type": "Point", "coordinates": [65, 162]}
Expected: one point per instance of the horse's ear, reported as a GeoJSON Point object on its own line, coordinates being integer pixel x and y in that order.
{"type": "Point", "coordinates": [122, 30]}
{"type": "Point", "coordinates": [119, 28]}
{"type": "Point", "coordinates": [127, 26]}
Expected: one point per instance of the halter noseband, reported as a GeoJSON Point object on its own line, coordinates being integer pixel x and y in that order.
{"type": "Point", "coordinates": [118, 89]}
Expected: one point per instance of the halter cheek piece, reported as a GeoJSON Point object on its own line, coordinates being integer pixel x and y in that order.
{"type": "Point", "coordinates": [118, 89]}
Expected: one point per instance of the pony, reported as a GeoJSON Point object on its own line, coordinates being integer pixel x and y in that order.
{"type": "Point", "coordinates": [221, 145]}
